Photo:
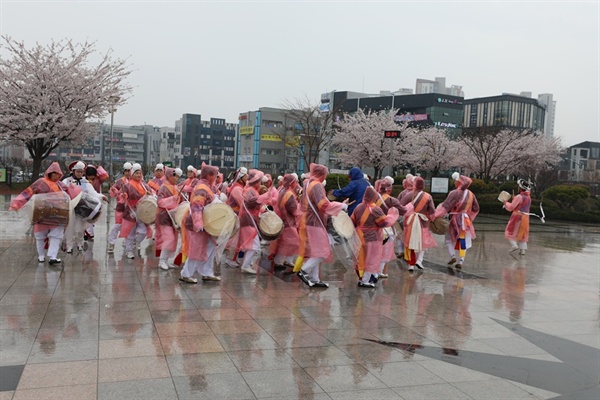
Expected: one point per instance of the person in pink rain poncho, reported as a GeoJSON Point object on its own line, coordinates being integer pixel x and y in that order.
{"type": "Point", "coordinates": [314, 241]}
{"type": "Point", "coordinates": [166, 234]}
{"type": "Point", "coordinates": [54, 234]}
{"type": "Point", "coordinates": [132, 230]}
{"type": "Point", "coordinates": [417, 237]}
{"type": "Point", "coordinates": [369, 219]}
{"type": "Point", "coordinates": [387, 202]}
{"type": "Point", "coordinates": [463, 207]}
{"type": "Point", "coordinates": [96, 176]}
{"type": "Point", "coordinates": [198, 246]}
{"type": "Point", "coordinates": [159, 177]}
{"type": "Point", "coordinates": [287, 245]}
{"type": "Point", "coordinates": [517, 230]}
{"type": "Point", "coordinates": [235, 199]}
{"type": "Point", "coordinates": [120, 207]}
{"type": "Point", "coordinates": [252, 206]}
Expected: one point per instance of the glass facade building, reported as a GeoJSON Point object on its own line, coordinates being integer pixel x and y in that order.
{"type": "Point", "coordinates": [505, 111]}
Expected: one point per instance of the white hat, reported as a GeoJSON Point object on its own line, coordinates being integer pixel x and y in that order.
{"type": "Point", "coordinates": [279, 178]}
{"type": "Point", "coordinates": [127, 166]}
{"type": "Point", "coordinates": [159, 166]}
{"type": "Point", "coordinates": [455, 176]}
{"type": "Point", "coordinates": [242, 171]}
{"type": "Point", "coordinates": [190, 168]}
{"type": "Point", "coordinates": [303, 176]}
{"type": "Point", "coordinates": [295, 175]}
{"type": "Point", "coordinates": [135, 167]}
{"type": "Point", "coordinates": [264, 179]}
{"type": "Point", "coordinates": [324, 182]}
{"type": "Point", "coordinates": [78, 166]}
{"type": "Point", "coordinates": [389, 179]}
{"type": "Point", "coordinates": [366, 176]}
{"type": "Point", "coordinates": [178, 171]}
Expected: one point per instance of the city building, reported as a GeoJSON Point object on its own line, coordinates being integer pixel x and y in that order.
{"type": "Point", "coordinates": [212, 142]}
{"type": "Point", "coordinates": [129, 143]}
{"type": "Point", "coordinates": [585, 161]}
{"type": "Point", "coordinates": [550, 104]}
{"type": "Point", "coordinates": [509, 111]}
{"type": "Point", "coordinates": [438, 85]}
{"type": "Point", "coordinates": [267, 141]}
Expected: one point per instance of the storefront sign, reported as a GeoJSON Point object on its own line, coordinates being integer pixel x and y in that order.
{"type": "Point", "coordinates": [246, 130]}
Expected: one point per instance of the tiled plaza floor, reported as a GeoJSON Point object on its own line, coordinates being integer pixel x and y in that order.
{"type": "Point", "coordinates": [100, 326]}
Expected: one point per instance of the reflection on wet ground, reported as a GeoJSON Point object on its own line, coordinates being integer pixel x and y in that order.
{"type": "Point", "coordinates": [102, 326]}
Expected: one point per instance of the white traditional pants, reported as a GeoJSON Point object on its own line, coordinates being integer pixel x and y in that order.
{"type": "Point", "coordinates": [204, 268]}
{"type": "Point", "coordinates": [55, 237]}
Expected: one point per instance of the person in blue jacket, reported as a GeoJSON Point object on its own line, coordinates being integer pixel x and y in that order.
{"type": "Point", "coordinates": [355, 190]}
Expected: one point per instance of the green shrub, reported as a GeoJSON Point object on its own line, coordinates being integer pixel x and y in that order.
{"type": "Point", "coordinates": [567, 196]}
{"type": "Point", "coordinates": [509, 186]}
{"type": "Point", "coordinates": [334, 179]}
{"type": "Point", "coordinates": [478, 186]}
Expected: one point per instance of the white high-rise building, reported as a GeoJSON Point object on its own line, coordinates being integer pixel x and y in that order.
{"type": "Point", "coordinates": [438, 86]}
{"type": "Point", "coordinates": [550, 104]}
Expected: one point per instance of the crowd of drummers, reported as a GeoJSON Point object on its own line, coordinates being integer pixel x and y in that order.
{"type": "Point", "coordinates": [385, 227]}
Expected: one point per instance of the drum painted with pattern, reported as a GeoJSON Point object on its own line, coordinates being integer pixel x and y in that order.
{"type": "Point", "coordinates": [146, 209]}
{"type": "Point", "coordinates": [51, 209]}
{"type": "Point", "coordinates": [219, 219]}
{"type": "Point", "coordinates": [270, 225]}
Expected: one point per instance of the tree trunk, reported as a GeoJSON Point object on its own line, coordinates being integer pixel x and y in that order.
{"type": "Point", "coordinates": [37, 166]}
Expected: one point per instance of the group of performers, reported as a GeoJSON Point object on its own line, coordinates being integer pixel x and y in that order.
{"type": "Point", "coordinates": [386, 227]}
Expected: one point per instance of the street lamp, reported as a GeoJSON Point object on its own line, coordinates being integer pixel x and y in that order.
{"type": "Point", "coordinates": [113, 101]}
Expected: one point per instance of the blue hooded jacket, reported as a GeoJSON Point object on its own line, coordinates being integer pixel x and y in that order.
{"type": "Point", "coordinates": [355, 190]}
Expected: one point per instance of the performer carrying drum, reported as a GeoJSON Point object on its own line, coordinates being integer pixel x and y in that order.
{"type": "Point", "coordinates": [50, 183]}
{"type": "Point", "coordinates": [114, 190]}
{"type": "Point", "coordinates": [286, 247]}
{"type": "Point", "coordinates": [96, 177]}
{"type": "Point", "coordinates": [166, 234]}
{"type": "Point", "coordinates": [198, 246]}
{"type": "Point", "coordinates": [159, 177]}
{"type": "Point", "coordinates": [130, 195]}
{"type": "Point", "coordinates": [74, 233]}
{"type": "Point", "coordinates": [314, 242]}
{"type": "Point", "coordinates": [251, 207]}
{"type": "Point", "coordinates": [387, 202]}
{"type": "Point", "coordinates": [235, 199]}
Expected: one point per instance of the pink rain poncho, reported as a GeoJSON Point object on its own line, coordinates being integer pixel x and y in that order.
{"type": "Point", "coordinates": [130, 195]}
{"type": "Point", "coordinates": [387, 202]}
{"type": "Point", "coordinates": [368, 219]}
{"type": "Point", "coordinates": [463, 207]}
{"type": "Point", "coordinates": [416, 232]}
{"type": "Point", "coordinates": [518, 224]}
{"type": "Point", "coordinates": [113, 192]}
{"type": "Point", "coordinates": [289, 211]}
{"type": "Point", "coordinates": [314, 242]}
{"type": "Point", "coordinates": [168, 199]}
{"type": "Point", "coordinates": [194, 239]}
{"type": "Point", "coordinates": [251, 208]}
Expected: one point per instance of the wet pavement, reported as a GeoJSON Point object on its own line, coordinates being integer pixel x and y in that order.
{"type": "Point", "coordinates": [101, 326]}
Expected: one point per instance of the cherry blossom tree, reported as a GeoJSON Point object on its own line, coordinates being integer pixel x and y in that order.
{"type": "Point", "coordinates": [489, 153]}
{"type": "Point", "coordinates": [361, 139]}
{"type": "Point", "coordinates": [431, 150]}
{"type": "Point", "coordinates": [48, 93]}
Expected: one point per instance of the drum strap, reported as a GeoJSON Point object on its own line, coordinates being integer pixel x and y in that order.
{"type": "Point", "coordinates": [252, 218]}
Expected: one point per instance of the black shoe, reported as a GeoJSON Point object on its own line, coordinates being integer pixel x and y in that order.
{"type": "Point", "coordinates": [321, 284]}
{"type": "Point", "coordinates": [373, 279]}
{"type": "Point", "coordinates": [279, 266]}
{"type": "Point", "coordinates": [366, 285]}
{"type": "Point", "coordinates": [54, 261]}
{"type": "Point", "coordinates": [304, 278]}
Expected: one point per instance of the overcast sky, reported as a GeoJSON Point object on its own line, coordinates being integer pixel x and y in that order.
{"type": "Point", "coordinates": [219, 59]}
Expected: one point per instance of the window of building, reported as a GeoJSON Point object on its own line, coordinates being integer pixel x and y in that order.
{"type": "Point", "coordinates": [595, 152]}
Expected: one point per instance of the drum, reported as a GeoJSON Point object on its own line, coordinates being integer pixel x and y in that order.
{"type": "Point", "coordinates": [89, 207]}
{"type": "Point", "coordinates": [179, 213]}
{"type": "Point", "coordinates": [270, 225]}
{"type": "Point", "coordinates": [439, 226]}
{"type": "Point", "coordinates": [504, 196]}
{"type": "Point", "coordinates": [388, 232]}
{"type": "Point", "coordinates": [51, 209]}
{"type": "Point", "coordinates": [219, 219]}
{"type": "Point", "coordinates": [343, 225]}
{"type": "Point", "coordinates": [330, 196]}
{"type": "Point", "coordinates": [146, 209]}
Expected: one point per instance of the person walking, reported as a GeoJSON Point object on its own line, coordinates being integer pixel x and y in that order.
{"type": "Point", "coordinates": [463, 207]}
{"type": "Point", "coordinates": [517, 229]}
{"type": "Point", "coordinates": [369, 219]}
{"type": "Point", "coordinates": [417, 237]}
{"type": "Point", "coordinates": [354, 190]}
{"type": "Point", "coordinates": [168, 198]}
{"type": "Point", "coordinates": [120, 207]}
{"type": "Point", "coordinates": [287, 245]}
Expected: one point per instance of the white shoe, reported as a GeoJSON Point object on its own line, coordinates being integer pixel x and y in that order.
{"type": "Point", "coordinates": [249, 270]}
{"type": "Point", "coordinates": [513, 249]}
{"type": "Point", "coordinates": [130, 255]}
{"type": "Point", "coordinates": [230, 263]}
{"type": "Point", "coordinates": [163, 265]}
{"type": "Point", "coordinates": [411, 267]}
{"type": "Point", "coordinates": [41, 259]}
{"type": "Point", "coordinates": [79, 248]}
{"type": "Point", "coordinates": [418, 265]}
{"type": "Point", "coordinates": [110, 248]}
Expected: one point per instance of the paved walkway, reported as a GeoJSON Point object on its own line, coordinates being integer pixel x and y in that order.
{"type": "Point", "coordinates": [104, 327]}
